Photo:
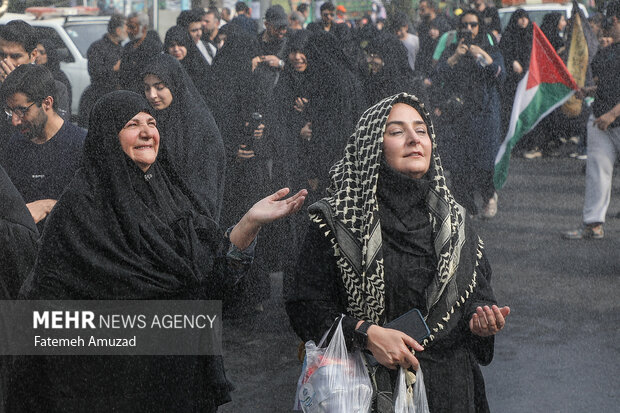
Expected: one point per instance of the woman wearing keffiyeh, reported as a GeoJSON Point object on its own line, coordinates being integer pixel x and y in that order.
{"type": "Point", "coordinates": [390, 238]}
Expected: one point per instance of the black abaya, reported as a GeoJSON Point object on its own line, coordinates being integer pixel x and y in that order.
{"type": "Point", "coordinates": [120, 233]}
{"type": "Point", "coordinates": [192, 140]}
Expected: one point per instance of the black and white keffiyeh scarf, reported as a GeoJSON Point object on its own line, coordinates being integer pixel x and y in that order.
{"type": "Point", "coordinates": [349, 218]}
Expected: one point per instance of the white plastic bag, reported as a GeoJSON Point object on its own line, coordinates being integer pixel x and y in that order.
{"type": "Point", "coordinates": [332, 379]}
{"type": "Point", "coordinates": [410, 402]}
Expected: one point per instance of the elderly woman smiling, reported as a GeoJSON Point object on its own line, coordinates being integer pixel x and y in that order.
{"type": "Point", "coordinates": [388, 239]}
{"type": "Point", "coordinates": [129, 227]}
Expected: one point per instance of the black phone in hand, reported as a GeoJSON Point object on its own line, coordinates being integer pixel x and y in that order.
{"type": "Point", "coordinates": [411, 323]}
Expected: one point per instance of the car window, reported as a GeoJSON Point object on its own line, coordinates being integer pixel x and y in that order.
{"type": "Point", "coordinates": [83, 35]}
{"type": "Point", "coordinates": [59, 45]}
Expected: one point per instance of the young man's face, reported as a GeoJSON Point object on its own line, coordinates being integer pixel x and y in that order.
{"type": "Point", "coordinates": [195, 31]}
{"type": "Point", "coordinates": [15, 54]}
{"type": "Point", "coordinates": [402, 32]}
{"type": "Point", "coordinates": [327, 16]}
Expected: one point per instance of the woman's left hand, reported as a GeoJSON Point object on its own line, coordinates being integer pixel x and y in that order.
{"type": "Point", "coordinates": [479, 51]}
{"type": "Point", "coordinates": [488, 321]}
{"type": "Point", "coordinates": [263, 212]}
{"type": "Point", "coordinates": [274, 207]}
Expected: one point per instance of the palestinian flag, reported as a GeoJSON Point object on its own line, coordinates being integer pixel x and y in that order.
{"type": "Point", "coordinates": [546, 85]}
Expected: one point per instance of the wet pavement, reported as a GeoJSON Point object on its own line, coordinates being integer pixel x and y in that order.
{"type": "Point", "coordinates": [560, 351]}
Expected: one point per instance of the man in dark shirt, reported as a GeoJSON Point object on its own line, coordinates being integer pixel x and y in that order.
{"type": "Point", "coordinates": [268, 61]}
{"type": "Point", "coordinates": [104, 63]}
{"type": "Point", "coordinates": [45, 151]}
{"type": "Point", "coordinates": [603, 130]}
{"type": "Point", "coordinates": [328, 11]}
{"type": "Point", "coordinates": [144, 45]}
{"type": "Point", "coordinates": [244, 18]}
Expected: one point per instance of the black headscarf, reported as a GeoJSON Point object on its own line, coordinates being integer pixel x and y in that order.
{"type": "Point", "coordinates": [516, 42]}
{"type": "Point", "coordinates": [336, 97]}
{"type": "Point", "coordinates": [395, 76]}
{"type": "Point", "coordinates": [549, 27]}
{"type": "Point", "coordinates": [465, 78]}
{"type": "Point", "coordinates": [177, 35]}
{"type": "Point", "coordinates": [53, 64]}
{"type": "Point", "coordinates": [230, 92]}
{"type": "Point", "coordinates": [120, 233]}
{"type": "Point", "coordinates": [190, 138]}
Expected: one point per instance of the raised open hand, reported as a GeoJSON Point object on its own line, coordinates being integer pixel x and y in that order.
{"type": "Point", "coordinates": [263, 212]}
{"type": "Point", "coordinates": [488, 321]}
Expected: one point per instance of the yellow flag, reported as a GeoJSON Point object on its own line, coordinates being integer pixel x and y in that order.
{"type": "Point", "coordinates": [577, 64]}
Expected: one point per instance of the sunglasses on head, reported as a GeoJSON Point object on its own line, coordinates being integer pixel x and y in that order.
{"type": "Point", "coordinates": [468, 24]}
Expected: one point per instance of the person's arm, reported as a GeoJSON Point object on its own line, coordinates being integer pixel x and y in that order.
{"type": "Point", "coordinates": [606, 119]}
{"type": "Point", "coordinates": [441, 46]}
{"type": "Point", "coordinates": [496, 69]}
{"type": "Point", "coordinates": [482, 316]}
{"type": "Point", "coordinates": [392, 348]}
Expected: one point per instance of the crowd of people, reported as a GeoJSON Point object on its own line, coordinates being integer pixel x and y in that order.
{"type": "Point", "coordinates": [177, 140]}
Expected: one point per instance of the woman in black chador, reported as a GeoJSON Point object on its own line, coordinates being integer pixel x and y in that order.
{"type": "Point", "coordinates": [516, 47]}
{"type": "Point", "coordinates": [51, 60]}
{"type": "Point", "coordinates": [469, 75]}
{"type": "Point", "coordinates": [191, 135]}
{"type": "Point", "coordinates": [390, 238]}
{"type": "Point", "coordinates": [128, 227]}
{"type": "Point", "coordinates": [388, 68]}
{"type": "Point", "coordinates": [316, 104]}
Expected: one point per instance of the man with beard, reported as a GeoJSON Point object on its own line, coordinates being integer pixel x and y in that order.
{"type": "Point", "coordinates": [144, 44]}
{"type": "Point", "coordinates": [211, 26]}
{"type": "Point", "coordinates": [44, 152]}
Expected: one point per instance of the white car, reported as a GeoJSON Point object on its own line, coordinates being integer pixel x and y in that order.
{"type": "Point", "coordinates": [72, 37]}
{"type": "Point", "coordinates": [538, 11]}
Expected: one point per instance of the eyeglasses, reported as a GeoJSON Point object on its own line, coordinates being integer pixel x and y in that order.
{"type": "Point", "coordinates": [327, 14]}
{"type": "Point", "coordinates": [468, 24]}
{"type": "Point", "coordinates": [20, 112]}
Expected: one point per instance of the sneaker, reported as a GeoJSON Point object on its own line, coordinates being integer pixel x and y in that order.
{"type": "Point", "coordinates": [490, 208]}
{"type": "Point", "coordinates": [588, 231]}
{"type": "Point", "coordinates": [533, 154]}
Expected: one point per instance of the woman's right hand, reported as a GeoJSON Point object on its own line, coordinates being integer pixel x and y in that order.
{"type": "Point", "coordinates": [391, 347]}
{"type": "Point", "coordinates": [461, 50]}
